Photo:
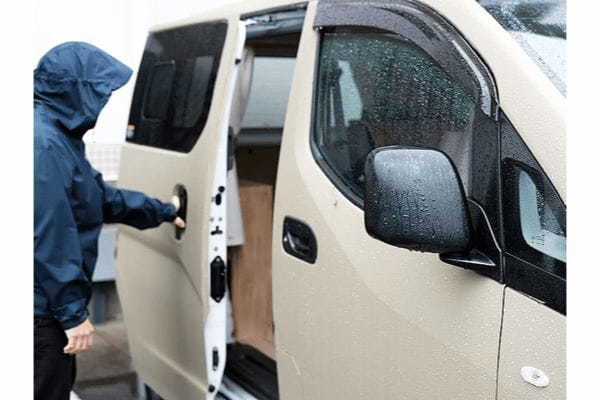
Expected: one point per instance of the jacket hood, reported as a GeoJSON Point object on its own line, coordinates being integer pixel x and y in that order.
{"type": "Point", "coordinates": [74, 80]}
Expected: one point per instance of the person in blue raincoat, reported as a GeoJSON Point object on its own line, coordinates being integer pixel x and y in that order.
{"type": "Point", "coordinates": [72, 83]}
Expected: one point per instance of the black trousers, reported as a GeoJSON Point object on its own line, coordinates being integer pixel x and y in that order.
{"type": "Point", "coordinates": [53, 370]}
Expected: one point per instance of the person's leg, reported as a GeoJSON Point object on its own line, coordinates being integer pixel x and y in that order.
{"type": "Point", "coordinates": [53, 371]}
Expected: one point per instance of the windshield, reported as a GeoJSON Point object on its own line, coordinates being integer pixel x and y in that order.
{"type": "Point", "coordinates": [540, 27]}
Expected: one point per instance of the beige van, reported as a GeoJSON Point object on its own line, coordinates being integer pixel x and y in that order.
{"type": "Point", "coordinates": [374, 193]}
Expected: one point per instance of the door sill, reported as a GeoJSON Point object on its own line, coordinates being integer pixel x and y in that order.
{"type": "Point", "coordinates": [252, 371]}
{"type": "Point", "coordinates": [230, 390]}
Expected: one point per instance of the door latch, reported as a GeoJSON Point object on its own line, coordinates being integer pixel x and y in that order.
{"type": "Point", "coordinates": [217, 279]}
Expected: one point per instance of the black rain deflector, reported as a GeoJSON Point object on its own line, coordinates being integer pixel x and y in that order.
{"type": "Point", "coordinates": [424, 27]}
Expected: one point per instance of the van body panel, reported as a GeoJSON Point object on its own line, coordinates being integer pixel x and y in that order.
{"type": "Point", "coordinates": [164, 283]}
{"type": "Point", "coordinates": [368, 320]}
{"type": "Point", "coordinates": [532, 336]}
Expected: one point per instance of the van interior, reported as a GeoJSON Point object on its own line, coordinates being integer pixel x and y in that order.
{"type": "Point", "coordinates": [256, 126]}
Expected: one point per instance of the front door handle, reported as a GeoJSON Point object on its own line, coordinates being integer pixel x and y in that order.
{"type": "Point", "coordinates": [181, 192]}
{"type": "Point", "coordinates": [299, 240]}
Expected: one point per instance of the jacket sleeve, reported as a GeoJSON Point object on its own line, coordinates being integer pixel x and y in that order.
{"type": "Point", "coordinates": [134, 208]}
{"type": "Point", "coordinates": [57, 250]}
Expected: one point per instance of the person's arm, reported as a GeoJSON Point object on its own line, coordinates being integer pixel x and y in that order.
{"type": "Point", "coordinates": [134, 208]}
{"type": "Point", "coordinates": [57, 249]}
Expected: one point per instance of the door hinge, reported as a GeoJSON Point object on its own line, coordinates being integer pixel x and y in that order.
{"type": "Point", "coordinates": [217, 279]}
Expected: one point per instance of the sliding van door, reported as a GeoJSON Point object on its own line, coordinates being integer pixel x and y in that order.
{"type": "Point", "coordinates": [172, 282]}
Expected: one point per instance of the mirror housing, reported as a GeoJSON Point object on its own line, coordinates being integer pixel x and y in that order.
{"type": "Point", "coordinates": [414, 199]}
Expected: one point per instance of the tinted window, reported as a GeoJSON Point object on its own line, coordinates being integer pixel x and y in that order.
{"type": "Point", "coordinates": [159, 89]}
{"type": "Point", "coordinates": [535, 216]}
{"type": "Point", "coordinates": [190, 91]}
{"type": "Point", "coordinates": [175, 86]}
{"type": "Point", "coordinates": [542, 223]}
{"type": "Point", "coordinates": [374, 91]}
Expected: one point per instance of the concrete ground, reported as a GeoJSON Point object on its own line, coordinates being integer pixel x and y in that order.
{"type": "Point", "coordinates": [105, 371]}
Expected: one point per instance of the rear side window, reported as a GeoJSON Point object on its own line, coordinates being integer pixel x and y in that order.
{"type": "Point", "coordinates": [174, 87]}
{"type": "Point", "coordinates": [159, 88]}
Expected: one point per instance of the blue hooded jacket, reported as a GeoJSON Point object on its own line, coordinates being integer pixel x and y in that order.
{"type": "Point", "coordinates": [72, 83]}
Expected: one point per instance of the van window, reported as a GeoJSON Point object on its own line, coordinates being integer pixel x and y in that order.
{"type": "Point", "coordinates": [374, 90]}
{"type": "Point", "coordinates": [159, 89]}
{"type": "Point", "coordinates": [541, 225]}
{"type": "Point", "coordinates": [535, 215]}
{"type": "Point", "coordinates": [190, 91]}
{"type": "Point", "coordinates": [174, 87]}
{"type": "Point", "coordinates": [535, 231]}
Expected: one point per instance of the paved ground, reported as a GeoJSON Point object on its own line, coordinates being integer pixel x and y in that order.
{"type": "Point", "coordinates": [105, 371]}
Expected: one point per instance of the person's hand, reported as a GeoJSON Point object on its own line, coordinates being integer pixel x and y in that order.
{"type": "Point", "coordinates": [180, 223]}
{"type": "Point", "coordinates": [80, 338]}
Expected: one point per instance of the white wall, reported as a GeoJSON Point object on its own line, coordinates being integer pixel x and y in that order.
{"type": "Point", "coordinates": [119, 27]}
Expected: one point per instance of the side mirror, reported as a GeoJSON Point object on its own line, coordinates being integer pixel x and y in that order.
{"type": "Point", "coordinates": [414, 199]}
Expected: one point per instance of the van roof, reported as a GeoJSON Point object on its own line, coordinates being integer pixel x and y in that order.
{"type": "Point", "coordinates": [229, 10]}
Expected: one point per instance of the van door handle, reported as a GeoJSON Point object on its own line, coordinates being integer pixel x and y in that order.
{"type": "Point", "coordinates": [299, 240]}
{"type": "Point", "coordinates": [297, 244]}
{"type": "Point", "coordinates": [181, 192]}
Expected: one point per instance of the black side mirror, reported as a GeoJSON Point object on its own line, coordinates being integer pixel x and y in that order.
{"type": "Point", "coordinates": [414, 199]}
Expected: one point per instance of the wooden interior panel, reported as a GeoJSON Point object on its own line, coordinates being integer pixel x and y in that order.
{"type": "Point", "coordinates": [257, 164]}
{"type": "Point", "coordinates": [251, 284]}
